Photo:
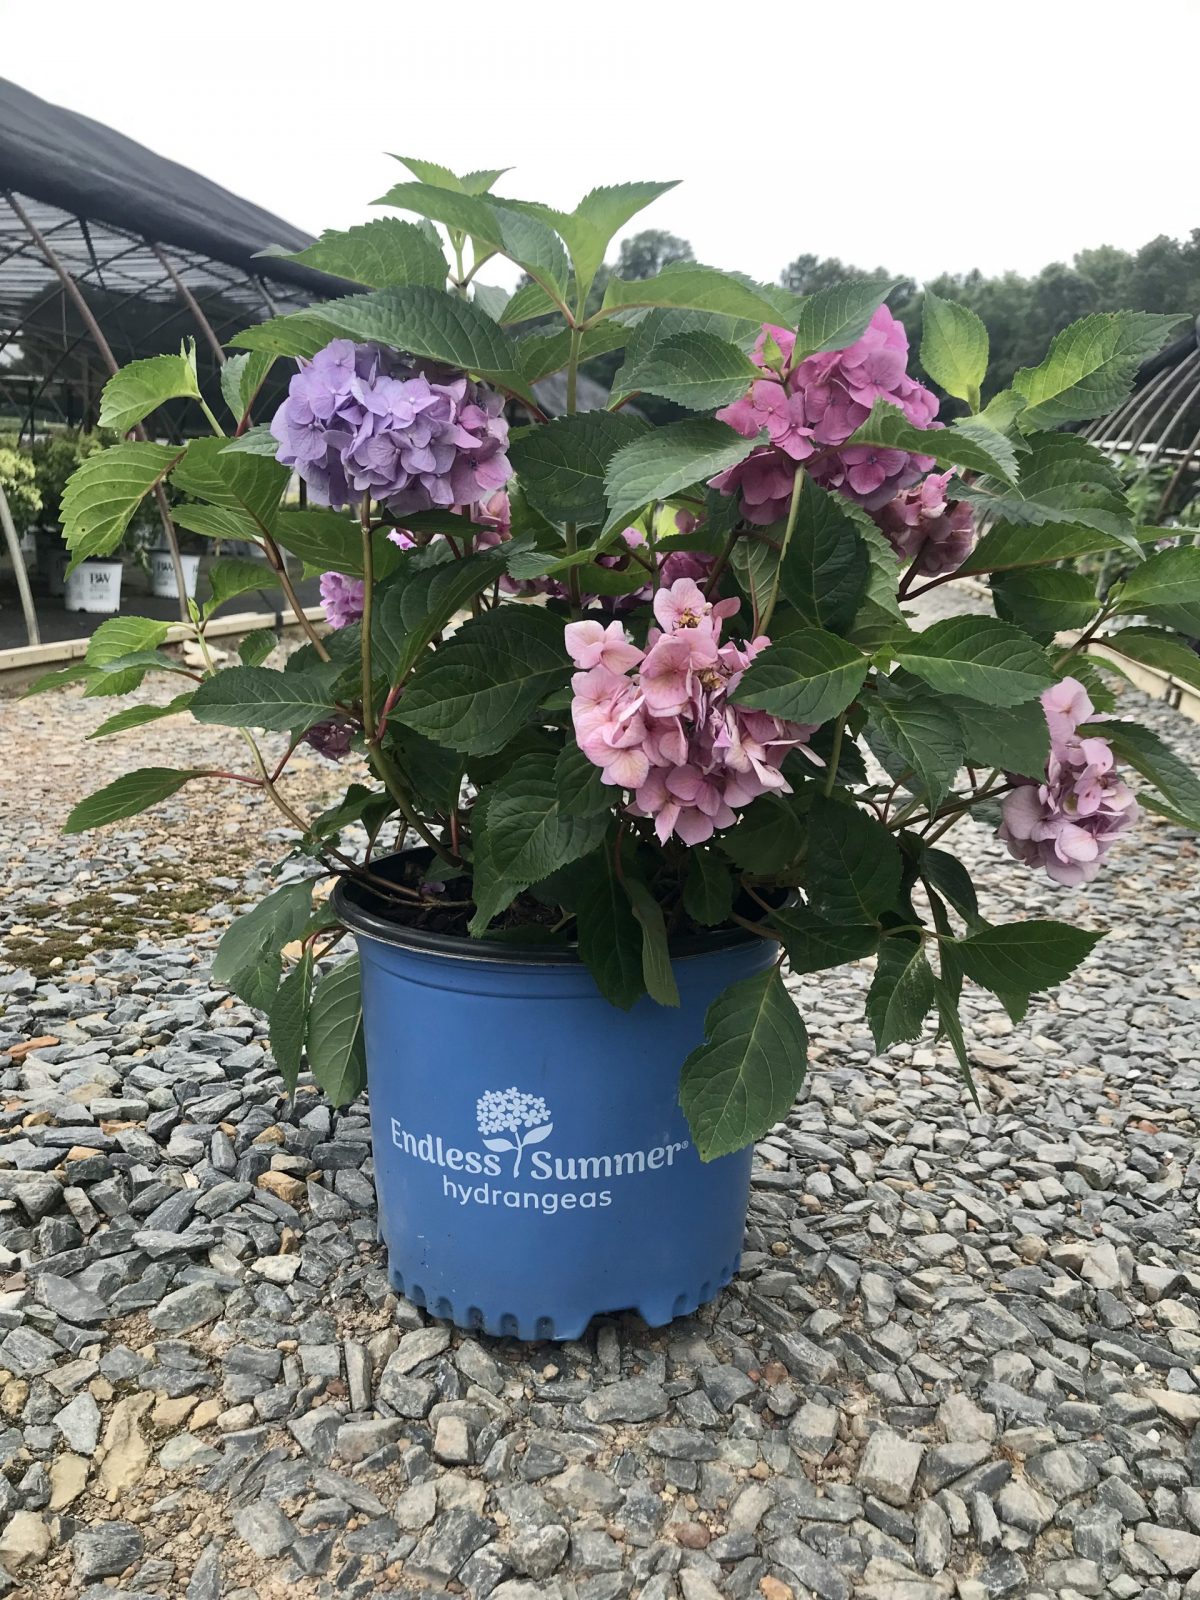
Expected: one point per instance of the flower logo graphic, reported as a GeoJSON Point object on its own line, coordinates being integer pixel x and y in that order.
{"type": "Point", "coordinates": [524, 1116]}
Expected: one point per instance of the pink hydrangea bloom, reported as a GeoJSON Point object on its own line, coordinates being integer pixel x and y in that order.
{"type": "Point", "coordinates": [1067, 823]}
{"type": "Point", "coordinates": [667, 732]}
{"type": "Point", "coordinates": [935, 534]}
{"type": "Point", "coordinates": [817, 404]}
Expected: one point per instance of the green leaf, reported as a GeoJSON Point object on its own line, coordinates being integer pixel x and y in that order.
{"type": "Point", "coordinates": [257, 646]}
{"type": "Point", "coordinates": [978, 658]}
{"type": "Point", "coordinates": [139, 716]}
{"type": "Point", "coordinates": [231, 577]}
{"type": "Point", "coordinates": [543, 353]}
{"type": "Point", "coordinates": [60, 678]}
{"type": "Point", "coordinates": [1045, 600]}
{"type": "Point", "coordinates": [745, 1076]}
{"type": "Point", "coordinates": [216, 522]}
{"type": "Point", "coordinates": [103, 493]}
{"type": "Point", "coordinates": [827, 564]}
{"type": "Point", "coordinates": [1148, 754]}
{"type": "Point", "coordinates": [767, 837]}
{"type": "Point", "coordinates": [258, 697]}
{"type": "Point", "coordinates": [854, 865]}
{"type": "Point", "coordinates": [589, 229]}
{"type": "Point", "coordinates": [481, 687]}
{"type": "Point", "coordinates": [420, 602]}
{"type": "Point", "coordinates": [241, 379]}
{"type": "Point", "coordinates": [657, 974]}
{"type": "Point", "coordinates": [430, 323]}
{"type": "Point", "coordinates": [1090, 367]}
{"type": "Point", "coordinates": [805, 676]}
{"type": "Point", "coordinates": [522, 238]}
{"type": "Point", "coordinates": [1066, 483]}
{"type": "Point", "coordinates": [561, 464]}
{"type": "Point", "coordinates": [812, 944]}
{"type": "Point", "coordinates": [580, 787]}
{"type": "Point", "coordinates": [642, 338]}
{"type": "Point", "coordinates": [121, 636]}
{"type": "Point", "coordinates": [901, 992]}
{"type": "Point", "coordinates": [124, 673]}
{"type": "Point", "coordinates": [977, 449]}
{"type": "Point", "coordinates": [1165, 651]}
{"type": "Point", "coordinates": [1166, 588]}
{"type": "Point", "coordinates": [688, 286]}
{"type": "Point", "coordinates": [289, 1019]}
{"type": "Point", "coordinates": [835, 317]}
{"type": "Point", "coordinates": [431, 172]}
{"type": "Point", "coordinates": [330, 541]}
{"type": "Point", "coordinates": [127, 796]}
{"type": "Point", "coordinates": [707, 889]}
{"type": "Point", "coordinates": [695, 370]}
{"type": "Point", "coordinates": [1012, 738]}
{"type": "Point", "coordinates": [252, 485]}
{"type": "Point", "coordinates": [666, 461]}
{"type": "Point", "coordinates": [1023, 958]}
{"type": "Point", "coordinates": [951, 1027]}
{"type": "Point", "coordinates": [336, 1050]}
{"type": "Point", "coordinates": [946, 874]}
{"type": "Point", "coordinates": [132, 394]}
{"type": "Point", "coordinates": [530, 301]}
{"type": "Point", "coordinates": [300, 334]}
{"type": "Point", "coordinates": [1006, 547]}
{"type": "Point", "coordinates": [380, 254]}
{"type": "Point", "coordinates": [954, 347]}
{"type": "Point", "coordinates": [248, 959]}
{"type": "Point", "coordinates": [915, 733]}
{"type": "Point", "coordinates": [521, 836]}
{"type": "Point", "coordinates": [610, 937]}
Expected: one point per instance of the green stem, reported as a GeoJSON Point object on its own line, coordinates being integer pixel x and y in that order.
{"type": "Point", "coordinates": [835, 755]}
{"type": "Point", "coordinates": [570, 531]}
{"type": "Point", "coordinates": [368, 561]}
{"type": "Point", "coordinates": [211, 419]}
{"type": "Point", "coordinates": [764, 620]}
{"type": "Point", "coordinates": [373, 731]}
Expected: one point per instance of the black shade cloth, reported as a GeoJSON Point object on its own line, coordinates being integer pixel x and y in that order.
{"type": "Point", "coordinates": [66, 160]}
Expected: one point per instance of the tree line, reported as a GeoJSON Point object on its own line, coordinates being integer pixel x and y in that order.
{"type": "Point", "coordinates": [1022, 314]}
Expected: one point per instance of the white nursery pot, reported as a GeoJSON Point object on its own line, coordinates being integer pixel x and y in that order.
{"type": "Point", "coordinates": [162, 575]}
{"type": "Point", "coordinates": [94, 586]}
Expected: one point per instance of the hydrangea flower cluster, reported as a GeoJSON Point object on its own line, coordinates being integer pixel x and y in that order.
{"type": "Point", "coordinates": [935, 534]}
{"type": "Point", "coordinates": [669, 733]}
{"type": "Point", "coordinates": [342, 599]}
{"type": "Point", "coordinates": [359, 419]}
{"type": "Point", "coordinates": [1068, 823]}
{"type": "Point", "coordinates": [811, 409]}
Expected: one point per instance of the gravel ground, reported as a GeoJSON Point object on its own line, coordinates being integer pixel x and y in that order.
{"type": "Point", "coordinates": [962, 1357]}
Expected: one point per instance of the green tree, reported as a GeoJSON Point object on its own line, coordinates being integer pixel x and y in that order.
{"type": "Point", "coordinates": [645, 254]}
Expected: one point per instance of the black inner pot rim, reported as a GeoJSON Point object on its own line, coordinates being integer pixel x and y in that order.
{"type": "Point", "coordinates": [359, 907]}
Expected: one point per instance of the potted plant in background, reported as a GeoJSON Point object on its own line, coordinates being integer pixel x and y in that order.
{"type": "Point", "coordinates": [645, 720]}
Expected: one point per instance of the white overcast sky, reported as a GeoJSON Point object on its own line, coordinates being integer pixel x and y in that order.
{"type": "Point", "coordinates": [920, 137]}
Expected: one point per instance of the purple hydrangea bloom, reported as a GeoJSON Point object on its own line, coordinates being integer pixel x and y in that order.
{"type": "Point", "coordinates": [359, 419]}
{"type": "Point", "coordinates": [816, 404]}
{"type": "Point", "coordinates": [936, 534]}
{"type": "Point", "coordinates": [1067, 824]}
{"type": "Point", "coordinates": [342, 598]}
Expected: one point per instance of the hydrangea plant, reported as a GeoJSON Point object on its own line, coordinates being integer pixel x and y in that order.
{"type": "Point", "coordinates": [625, 683]}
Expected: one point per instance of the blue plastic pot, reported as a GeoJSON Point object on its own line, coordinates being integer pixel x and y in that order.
{"type": "Point", "coordinates": [532, 1164]}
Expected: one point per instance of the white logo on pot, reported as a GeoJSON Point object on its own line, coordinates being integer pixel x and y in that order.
{"type": "Point", "coordinates": [524, 1116]}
